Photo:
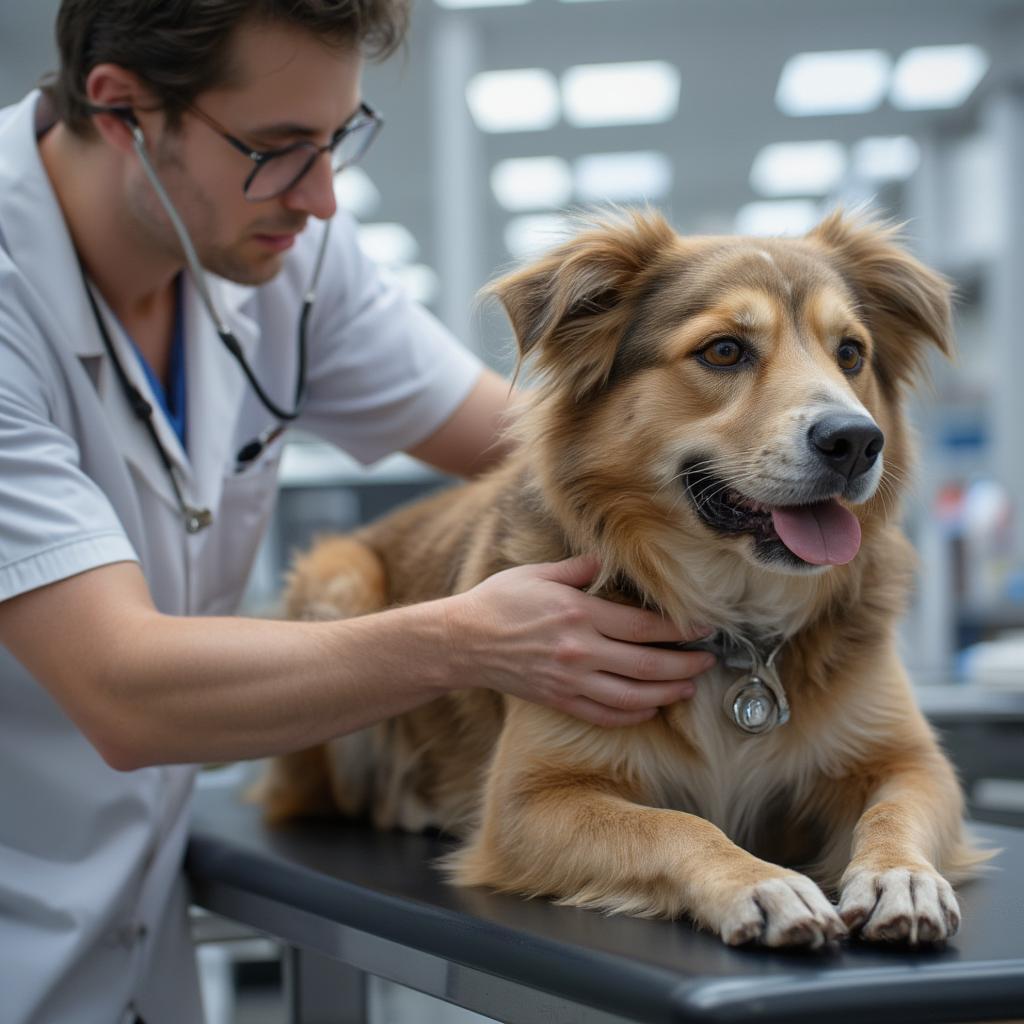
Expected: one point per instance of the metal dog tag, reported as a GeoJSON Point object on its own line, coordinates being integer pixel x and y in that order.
{"type": "Point", "coordinates": [757, 703]}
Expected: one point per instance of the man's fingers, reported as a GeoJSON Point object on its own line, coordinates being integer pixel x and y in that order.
{"type": "Point", "coordinates": [626, 695]}
{"type": "Point", "coordinates": [573, 572]}
{"type": "Point", "coordinates": [648, 664]}
{"type": "Point", "coordinates": [638, 625]}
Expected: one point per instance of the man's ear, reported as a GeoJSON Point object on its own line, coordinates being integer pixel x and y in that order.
{"type": "Point", "coordinates": [905, 304]}
{"type": "Point", "coordinates": [116, 95]}
{"type": "Point", "coordinates": [570, 309]}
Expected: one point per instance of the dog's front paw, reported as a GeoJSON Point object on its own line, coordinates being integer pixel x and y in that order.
{"type": "Point", "coordinates": [910, 905]}
{"type": "Point", "coordinates": [789, 910]}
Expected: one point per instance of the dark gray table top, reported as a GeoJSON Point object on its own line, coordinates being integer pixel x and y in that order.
{"type": "Point", "coordinates": [385, 884]}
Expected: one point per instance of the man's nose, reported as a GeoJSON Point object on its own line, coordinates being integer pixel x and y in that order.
{"type": "Point", "coordinates": [313, 193]}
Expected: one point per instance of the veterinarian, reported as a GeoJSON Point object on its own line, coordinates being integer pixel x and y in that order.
{"type": "Point", "coordinates": [138, 460]}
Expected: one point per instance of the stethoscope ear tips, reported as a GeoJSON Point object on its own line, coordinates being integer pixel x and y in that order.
{"type": "Point", "coordinates": [125, 114]}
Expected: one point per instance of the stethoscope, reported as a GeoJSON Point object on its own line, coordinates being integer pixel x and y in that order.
{"type": "Point", "coordinates": [196, 518]}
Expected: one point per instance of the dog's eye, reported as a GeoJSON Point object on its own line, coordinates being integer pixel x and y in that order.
{"type": "Point", "coordinates": [723, 352]}
{"type": "Point", "coordinates": [850, 356]}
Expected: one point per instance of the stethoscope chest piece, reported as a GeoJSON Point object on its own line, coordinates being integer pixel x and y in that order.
{"type": "Point", "coordinates": [197, 519]}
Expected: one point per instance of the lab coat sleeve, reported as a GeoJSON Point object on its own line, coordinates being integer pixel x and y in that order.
{"type": "Point", "coordinates": [55, 522]}
{"type": "Point", "coordinates": [384, 373]}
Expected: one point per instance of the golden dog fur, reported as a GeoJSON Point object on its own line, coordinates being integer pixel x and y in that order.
{"type": "Point", "coordinates": [683, 814]}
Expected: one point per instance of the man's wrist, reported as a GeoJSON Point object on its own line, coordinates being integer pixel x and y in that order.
{"type": "Point", "coordinates": [456, 625]}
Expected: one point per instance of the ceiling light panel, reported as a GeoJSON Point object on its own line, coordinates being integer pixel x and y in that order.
{"type": "Point", "coordinates": [622, 177]}
{"type": "Point", "coordinates": [886, 158]}
{"type": "Point", "coordinates": [777, 217]}
{"type": "Point", "coordinates": [837, 82]}
{"type": "Point", "coordinates": [933, 77]}
{"type": "Point", "coordinates": [420, 281]}
{"type": "Point", "coordinates": [641, 92]}
{"type": "Point", "coordinates": [532, 183]}
{"type": "Point", "coordinates": [524, 99]}
{"type": "Point", "coordinates": [356, 193]}
{"type": "Point", "coordinates": [798, 168]}
{"type": "Point", "coordinates": [389, 244]}
{"type": "Point", "coordinates": [529, 236]}
{"type": "Point", "coordinates": [461, 5]}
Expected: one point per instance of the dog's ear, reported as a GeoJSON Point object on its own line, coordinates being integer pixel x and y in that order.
{"type": "Point", "coordinates": [905, 304]}
{"type": "Point", "coordinates": [570, 309]}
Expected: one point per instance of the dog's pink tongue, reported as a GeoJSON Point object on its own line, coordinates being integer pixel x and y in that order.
{"type": "Point", "coordinates": [822, 534]}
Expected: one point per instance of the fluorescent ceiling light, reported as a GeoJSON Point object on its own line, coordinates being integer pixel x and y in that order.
{"type": "Point", "coordinates": [798, 168]}
{"type": "Point", "coordinates": [420, 281]}
{"type": "Point", "coordinates": [930, 77]}
{"type": "Point", "coordinates": [527, 237]}
{"type": "Point", "coordinates": [622, 177]}
{"type": "Point", "coordinates": [356, 193]}
{"type": "Point", "coordinates": [642, 92]}
{"type": "Point", "coordinates": [458, 5]}
{"type": "Point", "coordinates": [532, 183]}
{"type": "Point", "coordinates": [779, 217]}
{"type": "Point", "coordinates": [886, 158]}
{"type": "Point", "coordinates": [390, 245]}
{"type": "Point", "coordinates": [837, 82]}
{"type": "Point", "coordinates": [525, 99]}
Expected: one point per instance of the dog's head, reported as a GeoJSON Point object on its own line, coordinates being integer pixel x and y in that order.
{"type": "Point", "coordinates": [746, 391]}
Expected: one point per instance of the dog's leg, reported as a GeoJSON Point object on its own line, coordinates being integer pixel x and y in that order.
{"type": "Point", "coordinates": [910, 831]}
{"type": "Point", "coordinates": [549, 828]}
{"type": "Point", "coordinates": [338, 579]}
{"type": "Point", "coordinates": [293, 786]}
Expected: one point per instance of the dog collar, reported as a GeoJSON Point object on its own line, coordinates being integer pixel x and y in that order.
{"type": "Point", "coordinates": [756, 701]}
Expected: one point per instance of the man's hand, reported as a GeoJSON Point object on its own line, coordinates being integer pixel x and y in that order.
{"type": "Point", "coordinates": [532, 633]}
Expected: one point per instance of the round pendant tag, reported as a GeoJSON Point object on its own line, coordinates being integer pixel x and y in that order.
{"type": "Point", "coordinates": [754, 707]}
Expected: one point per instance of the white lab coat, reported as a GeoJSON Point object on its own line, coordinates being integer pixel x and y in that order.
{"type": "Point", "coordinates": [92, 902]}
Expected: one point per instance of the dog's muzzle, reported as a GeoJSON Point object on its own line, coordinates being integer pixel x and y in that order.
{"type": "Point", "coordinates": [848, 444]}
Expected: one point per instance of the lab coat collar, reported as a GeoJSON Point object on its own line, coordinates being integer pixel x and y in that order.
{"type": "Point", "coordinates": [34, 233]}
{"type": "Point", "coordinates": [36, 237]}
{"type": "Point", "coordinates": [37, 240]}
{"type": "Point", "coordinates": [216, 385]}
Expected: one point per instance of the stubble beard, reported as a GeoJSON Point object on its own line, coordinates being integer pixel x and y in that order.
{"type": "Point", "coordinates": [194, 207]}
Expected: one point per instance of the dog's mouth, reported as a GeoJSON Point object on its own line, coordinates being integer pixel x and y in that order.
{"type": "Point", "coordinates": [822, 532]}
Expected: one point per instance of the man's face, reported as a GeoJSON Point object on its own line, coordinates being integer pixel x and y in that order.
{"type": "Point", "coordinates": [288, 87]}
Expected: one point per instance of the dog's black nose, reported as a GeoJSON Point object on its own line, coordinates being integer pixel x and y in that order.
{"type": "Point", "coordinates": [848, 444]}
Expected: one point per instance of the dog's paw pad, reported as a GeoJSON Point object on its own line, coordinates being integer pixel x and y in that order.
{"type": "Point", "coordinates": [911, 905]}
{"type": "Point", "coordinates": [786, 911]}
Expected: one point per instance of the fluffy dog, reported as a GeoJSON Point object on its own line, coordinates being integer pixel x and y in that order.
{"type": "Point", "coordinates": [709, 419]}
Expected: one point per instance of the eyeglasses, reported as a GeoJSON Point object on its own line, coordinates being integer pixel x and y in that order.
{"type": "Point", "coordinates": [278, 170]}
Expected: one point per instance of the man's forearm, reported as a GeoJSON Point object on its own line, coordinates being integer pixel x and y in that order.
{"type": "Point", "coordinates": [148, 688]}
{"type": "Point", "coordinates": [212, 689]}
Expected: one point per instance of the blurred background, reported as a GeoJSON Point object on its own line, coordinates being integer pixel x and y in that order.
{"type": "Point", "coordinates": [747, 116]}
{"type": "Point", "coordinates": [730, 116]}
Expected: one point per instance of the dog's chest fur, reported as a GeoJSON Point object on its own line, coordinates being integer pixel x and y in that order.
{"type": "Point", "coordinates": [742, 783]}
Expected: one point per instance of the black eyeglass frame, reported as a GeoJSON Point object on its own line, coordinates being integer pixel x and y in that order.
{"type": "Point", "coordinates": [364, 116]}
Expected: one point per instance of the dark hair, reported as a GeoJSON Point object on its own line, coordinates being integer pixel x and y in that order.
{"type": "Point", "coordinates": [179, 48]}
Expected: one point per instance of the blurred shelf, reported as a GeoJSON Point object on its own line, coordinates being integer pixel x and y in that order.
{"type": "Point", "coordinates": [317, 464]}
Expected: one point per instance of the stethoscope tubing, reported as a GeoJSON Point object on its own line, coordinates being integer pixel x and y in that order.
{"type": "Point", "coordinates": [224, 332]}
{"type": "Point", "coordinates": [196, 518]}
